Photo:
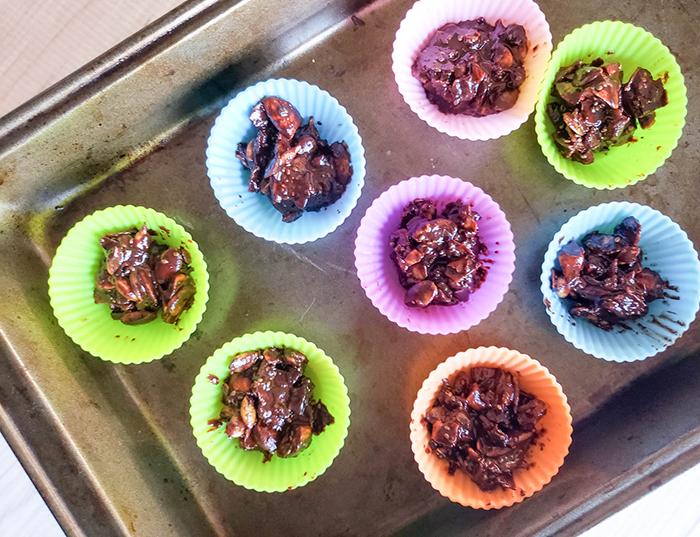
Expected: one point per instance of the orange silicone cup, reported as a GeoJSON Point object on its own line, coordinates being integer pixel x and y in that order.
{"type": "Point", "coordinates": [544, 458]}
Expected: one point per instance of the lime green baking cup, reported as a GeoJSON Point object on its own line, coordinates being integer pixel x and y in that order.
{"type": "Point", "coordinates": [632, 47]}
{"type": "Point", "coordinates": [90, 325]}
{"type": "Point", "coordinates": [246, 468]}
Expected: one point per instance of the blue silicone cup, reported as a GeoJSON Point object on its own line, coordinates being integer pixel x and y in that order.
{"type": "Point", "coordinates": [666, 249]}
{"type": "Point", "coordinates": [229, 179]}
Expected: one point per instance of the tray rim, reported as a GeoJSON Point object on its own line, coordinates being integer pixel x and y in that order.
{"type": "Point", "coordinates": [21, 123]}
{"type": "Point", "coordinates": [50, 104]}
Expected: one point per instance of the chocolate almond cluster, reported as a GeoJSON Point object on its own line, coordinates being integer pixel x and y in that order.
{"type": "Point", "coordinates": [604, 277]}
{"type": "Point", "coordinates": [269, 402]}
{"type": "Point", "coordinates": [142, 277]}
{"type": "Point", "coordinates": [437, 256]}
{"type": "Point", "coordinates": [290, 163]}
{"type": "Point", "coordinates": [483, 424]}
{"type": "Point", "coordinates": [473, 68]}
{"type": "Point", "coordinates": [594, 110]}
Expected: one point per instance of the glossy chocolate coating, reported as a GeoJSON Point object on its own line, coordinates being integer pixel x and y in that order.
{"type": "Point", "coordinates": [437, 256]}
{"type": "Point", "coordinates": [142, 277]}
{"type": "Point", "coordinates": [290, 162]}
{"type": "Point", "coordinates": [593, 110]}
{"type": "Point", "coordinates": [604, 278]}
{"type": "Point", "coordinates": [269, 403]}
{"type": "Point", "coordinates": [473, 68]}
{"type": "Point", "coordinates": [483, 424]}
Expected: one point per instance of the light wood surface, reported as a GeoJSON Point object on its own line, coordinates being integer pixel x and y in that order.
{"type": "Point", "coordinates": [42, 41]}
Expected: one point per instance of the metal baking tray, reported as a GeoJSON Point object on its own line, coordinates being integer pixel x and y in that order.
{"type": "Point", "coordinates": [110, 447]}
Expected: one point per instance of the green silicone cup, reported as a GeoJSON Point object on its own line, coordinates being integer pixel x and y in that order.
{"type": "Point", "coordinates": [632, 47]}
{"type": "Point", "coordinates": [246, 468]}
{"type": "Point", "coordinates": [90, 325]}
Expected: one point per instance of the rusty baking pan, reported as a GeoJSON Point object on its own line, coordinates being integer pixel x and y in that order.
{"type": "Point", "coordinates": [110, 447]}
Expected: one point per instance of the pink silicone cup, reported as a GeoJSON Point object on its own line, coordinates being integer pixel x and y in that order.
{"type": "Point", "coordinates": [427, 16]}
{"type": "Point", "coordinates": [378, 275]}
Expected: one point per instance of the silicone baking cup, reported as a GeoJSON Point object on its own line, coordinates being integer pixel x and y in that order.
{"type": "Point", "coordinates": [632, 47]}
{"type": "Point", "coordinates": [90, 325]}
{"type": "Point", "coordinates": [544, 458]}
{"type": "Point", "coordinates": [229, 179]}
{"type": "Point", "coordinates": [246, 468]}
{"type": "Point", "coordinates": [428, 16]}
{"type": "Point", "coordinates": [378, 274]}
{"type": "Point", "coordinates": [666, 249]}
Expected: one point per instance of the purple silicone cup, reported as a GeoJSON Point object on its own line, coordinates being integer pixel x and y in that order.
{"type": "Point", "coordinates": [378, 275]}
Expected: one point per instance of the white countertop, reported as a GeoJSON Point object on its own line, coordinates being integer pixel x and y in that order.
{"type": "Point", "coordinates": [23, 512]}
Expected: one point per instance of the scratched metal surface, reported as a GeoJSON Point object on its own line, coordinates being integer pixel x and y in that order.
{"type": "Point", "coordinates": [110, 446]}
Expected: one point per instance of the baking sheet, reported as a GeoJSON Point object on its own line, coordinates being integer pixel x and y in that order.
{"type": "Point", "coordinates": [110, 447]}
